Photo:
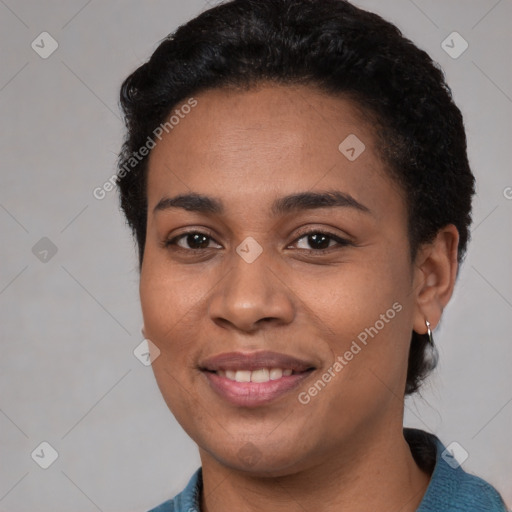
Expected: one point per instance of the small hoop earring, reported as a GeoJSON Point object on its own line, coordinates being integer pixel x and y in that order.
{"type": "Point", "coordinates": [429, 334]}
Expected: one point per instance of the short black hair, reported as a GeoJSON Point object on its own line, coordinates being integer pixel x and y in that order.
{"type": "Point", "coordinates": [341, 49]}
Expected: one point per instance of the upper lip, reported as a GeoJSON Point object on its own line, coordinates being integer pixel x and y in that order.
{"type": "Point", "coordinates": [254, 361]}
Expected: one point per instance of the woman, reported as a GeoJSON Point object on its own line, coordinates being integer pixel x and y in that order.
{"type": "Point", "coordinates": [296, 177]}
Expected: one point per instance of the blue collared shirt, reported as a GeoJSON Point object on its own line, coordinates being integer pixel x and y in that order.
{"type": "Point", "coordinates": [451, 489]}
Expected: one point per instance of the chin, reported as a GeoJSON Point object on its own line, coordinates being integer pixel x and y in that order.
{"type": "Point", "coordinates": [260, 458]}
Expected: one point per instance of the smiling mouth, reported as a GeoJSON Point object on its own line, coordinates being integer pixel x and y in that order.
{"type": "Point", "coordinates": [262, 366]}
{"type": "Point", "coordinates": [259, 375]}
{"type": "Point", "coordinates": [254, 379]}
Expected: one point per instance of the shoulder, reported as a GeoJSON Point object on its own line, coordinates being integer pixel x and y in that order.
{"type": "Point", "coordinates": [458, 491]}
{"type": "Point", "coordinates": [187, 500]}
{"type": "Point", "coordinates": [451, 489]}
{"type": "Point", "coordinates": [481, 495]}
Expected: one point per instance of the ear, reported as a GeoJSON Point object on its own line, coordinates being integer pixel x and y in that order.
{"type": "Point", "coordinates": [434, 277]}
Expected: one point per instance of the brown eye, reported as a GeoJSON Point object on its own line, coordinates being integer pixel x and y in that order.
{"type": "Point", "coordinates": [191, 241]}
{"type": "Point", "coordinates": [317, 241]}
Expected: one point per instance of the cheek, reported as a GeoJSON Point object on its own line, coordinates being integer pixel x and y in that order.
{"type": "Point", "coordinates": [366, 309]}
{"type": "Point", "coordinates": [169, 297]}
{"type": "Point", "coordinates": [170, 311]}
{"type": "Point", "coordinates": [354, 295]}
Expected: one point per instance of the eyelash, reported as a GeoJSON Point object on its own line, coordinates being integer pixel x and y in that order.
{"type": "Point", "coordinates": [342, 242]}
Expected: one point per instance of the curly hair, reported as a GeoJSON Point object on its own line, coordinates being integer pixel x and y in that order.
{"type": "Point", "coordinates": [343, 50]}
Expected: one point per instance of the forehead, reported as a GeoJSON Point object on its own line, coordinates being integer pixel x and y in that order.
{"type": "Point", "coordinates": [271, 140]}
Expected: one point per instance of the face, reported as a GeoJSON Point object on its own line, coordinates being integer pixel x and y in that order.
{"type": "Point", "coordinates": [276, 280]}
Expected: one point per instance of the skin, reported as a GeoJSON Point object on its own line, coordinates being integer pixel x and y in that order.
{"type": "Point", "coordinates": [345, 449]}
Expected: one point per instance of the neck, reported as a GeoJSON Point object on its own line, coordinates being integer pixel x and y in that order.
{"type": "Point", "coordinates": [374, 472]}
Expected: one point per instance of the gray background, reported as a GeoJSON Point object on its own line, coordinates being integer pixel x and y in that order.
{"type": "Point", "coordinates": [69, 324]}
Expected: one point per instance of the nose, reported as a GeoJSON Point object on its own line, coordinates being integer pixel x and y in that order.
{"type": "Point", "coordinates": [252, 295]}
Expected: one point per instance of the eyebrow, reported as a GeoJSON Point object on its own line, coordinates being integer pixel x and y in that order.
{"type": "Point", "coordinates": [200, 203]}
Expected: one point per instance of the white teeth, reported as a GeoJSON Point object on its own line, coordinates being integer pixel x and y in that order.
{"type": "Point", "coordinates": [260, 375]}
{"type": "Point", "coordinates": [243, 376]}
{"type": "Point", "coordinates": [276, 373]}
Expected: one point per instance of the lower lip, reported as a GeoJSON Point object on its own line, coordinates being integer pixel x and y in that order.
{"type": "Point", "coordinates": [254, 394]}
